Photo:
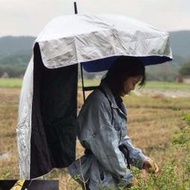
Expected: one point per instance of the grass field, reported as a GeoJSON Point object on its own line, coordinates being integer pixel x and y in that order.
{"type": "Point", "coordinates": [17, 83]}
{"type": "Point", "coordinates": [10, 83]}
{"type": "Point", "coordinates": [149, 85]}
{"type": "Point", "coordinates": [155, 122]}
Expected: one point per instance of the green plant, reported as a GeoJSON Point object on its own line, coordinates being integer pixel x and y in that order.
{"type": "Point", "coordinates": [186, 117]}
{"type": "Point", "coordinates": [5, 174]}
{"type": "Point", "coordinates": [183, 137]}
{"type": "Point", "coordinates": [182, 144]}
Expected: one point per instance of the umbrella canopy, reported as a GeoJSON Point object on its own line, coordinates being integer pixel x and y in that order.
{"type": "Point", "coordinates": [47, 113]}
{"type": "Point", "coordinates": [96, 40]}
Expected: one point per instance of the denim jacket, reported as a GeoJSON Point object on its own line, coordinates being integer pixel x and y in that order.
{"type": "Point", "coordinates": [102, 128]}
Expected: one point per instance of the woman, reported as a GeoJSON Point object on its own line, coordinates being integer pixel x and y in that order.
{"type": "Point", "coordinates": [103, 129]}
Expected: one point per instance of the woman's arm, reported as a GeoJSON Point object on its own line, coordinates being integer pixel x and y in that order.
{"type": "Point", "coordinates": [136, 157]}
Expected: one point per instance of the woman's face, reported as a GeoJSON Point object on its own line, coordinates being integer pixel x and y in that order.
{"type": "Point", "coordinates": [129, 84]}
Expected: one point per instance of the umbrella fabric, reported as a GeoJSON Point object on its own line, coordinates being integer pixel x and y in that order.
{"type": "Point", "coordinates": [46, 129]}
{"type": "Point", "coordinates": [97, 39]}
{"type": "Point", "coordinates": [46, 132]}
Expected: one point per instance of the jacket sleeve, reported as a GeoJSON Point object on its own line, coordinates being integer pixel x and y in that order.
{"type": "Point", "coordinates": [136, 157]}
{"type": "Point", "coordinates": [103, 140]}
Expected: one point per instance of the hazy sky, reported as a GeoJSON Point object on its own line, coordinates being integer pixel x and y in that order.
{"type": "Point", "coordinates": [28, 17]}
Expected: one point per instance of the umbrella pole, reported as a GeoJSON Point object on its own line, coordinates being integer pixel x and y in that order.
{"type": "Point", "coordinates": [75, 8]}
{"type": "Point", "coordinates": [82, 79]}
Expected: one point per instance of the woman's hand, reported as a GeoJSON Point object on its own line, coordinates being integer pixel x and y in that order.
{"type": "Point", "coordinates": [150, 166]}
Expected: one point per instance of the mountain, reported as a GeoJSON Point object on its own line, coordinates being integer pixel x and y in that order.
{"type": "Point", "coordinates": [180, 43]}
{"type": "Point", "coordinates": [18, 51]}
{"type": "Point", "coordinates": [15, 50]}
{"type": "Point", "coordinates": [10, 45]}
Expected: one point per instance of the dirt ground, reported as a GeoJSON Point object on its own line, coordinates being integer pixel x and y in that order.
{"type": "Point", "coordinates": [166, 93]}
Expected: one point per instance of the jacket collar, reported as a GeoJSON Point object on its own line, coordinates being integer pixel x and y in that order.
{"type": "Point", "coordinates": [110, 95]}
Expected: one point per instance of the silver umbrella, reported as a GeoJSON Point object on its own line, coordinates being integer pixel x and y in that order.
{"type": "Point", "coordinates": [98, 39]}
{"type": "Point", "coordinates": [48, 105]}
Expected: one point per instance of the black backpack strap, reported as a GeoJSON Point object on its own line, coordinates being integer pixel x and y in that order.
{"type": "Point", "coordinates": [123, 148]}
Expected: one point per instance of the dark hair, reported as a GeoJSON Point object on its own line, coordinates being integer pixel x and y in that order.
{"type": "Point", "coordinates": [121, 69]}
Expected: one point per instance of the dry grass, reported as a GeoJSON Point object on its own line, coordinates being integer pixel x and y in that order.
{"type": "Point", "coordinates": [153, 123]}
{"type": "Point", "coordinates": [8, 116]}
{"type": "Point", "coordinates": [153, 120]}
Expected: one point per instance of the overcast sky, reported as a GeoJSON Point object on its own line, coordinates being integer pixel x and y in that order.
{"type": "Point", "coordinates": [28, 17]}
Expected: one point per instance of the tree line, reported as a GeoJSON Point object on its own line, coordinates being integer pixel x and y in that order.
{"type": "Point", "coordinates": [163, 72]}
